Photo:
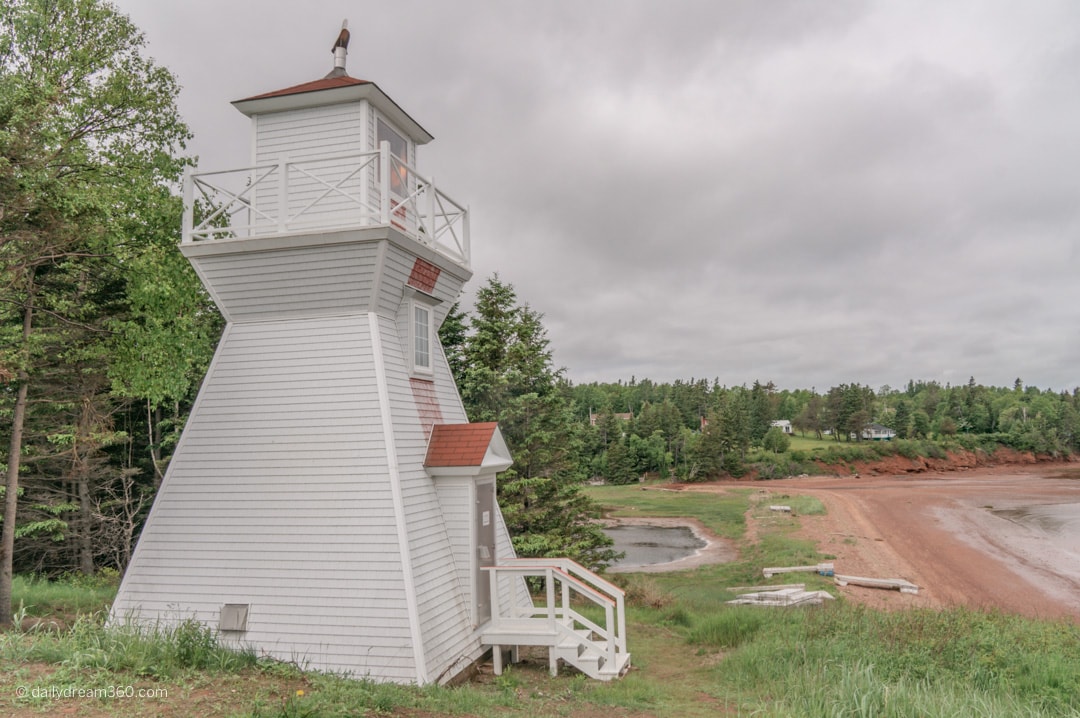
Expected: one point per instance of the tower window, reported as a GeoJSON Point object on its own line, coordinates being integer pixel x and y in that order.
{"type": "Point", "coordinates": [421, 338]}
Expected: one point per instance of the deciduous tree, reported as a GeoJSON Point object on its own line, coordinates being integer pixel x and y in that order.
{"type": "Point", "coordinates": [87, 127]}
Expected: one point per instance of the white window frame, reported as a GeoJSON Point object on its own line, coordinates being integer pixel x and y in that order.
{"type": "Point", "coordinates": [379, 119]}
{"type": "Point", "coordinates": [414, 338]}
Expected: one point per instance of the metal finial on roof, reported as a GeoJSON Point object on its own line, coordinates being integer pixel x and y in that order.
{"type": "Point", "coordinates": [340, 50]}
{"type": "Point", "coordinates": [343, 36]}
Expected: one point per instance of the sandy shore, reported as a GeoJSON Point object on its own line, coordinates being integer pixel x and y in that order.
{"type": "Point", "coordinates": [955, 535]}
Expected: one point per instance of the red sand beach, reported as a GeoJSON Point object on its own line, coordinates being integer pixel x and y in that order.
{"type": "Point", "coordinates": [964, 538]}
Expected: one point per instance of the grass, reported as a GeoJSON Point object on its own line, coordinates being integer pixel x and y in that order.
{"type": "Point", "coordinates": [693, 654]}
{"type": "Point", "coordinates": [810, 443]}
{"type": "Point", "coordinates": [76, 595]}
{"type": "Point", "coordinates": [722, 513]}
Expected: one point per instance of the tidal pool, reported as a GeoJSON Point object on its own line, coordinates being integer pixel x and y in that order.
{"type": "Point", "coordinates": [647, 545]}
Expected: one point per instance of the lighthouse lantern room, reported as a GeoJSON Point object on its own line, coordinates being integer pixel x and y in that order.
{"type": "Point", "coordinates": [329, 503]}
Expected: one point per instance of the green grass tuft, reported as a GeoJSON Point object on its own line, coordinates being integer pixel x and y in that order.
{"type": "Point", "coordinates": [728, 628]}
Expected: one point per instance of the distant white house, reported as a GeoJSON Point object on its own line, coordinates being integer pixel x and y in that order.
{"type": "Point", "coordinates": [783, 425]}
{"type": "Point", "coordinates": [876, 432]}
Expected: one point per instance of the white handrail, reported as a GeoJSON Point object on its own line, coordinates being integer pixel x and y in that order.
{"type": "Point", "coordinates": [330, 192]}
{"type": "Point", "coordinates": [573, 577]}
{"type": "Point", "coordinates": [587, 577]}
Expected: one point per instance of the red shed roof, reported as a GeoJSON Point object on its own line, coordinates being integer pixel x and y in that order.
{"type": "Point", "coordinates": [459, 444]}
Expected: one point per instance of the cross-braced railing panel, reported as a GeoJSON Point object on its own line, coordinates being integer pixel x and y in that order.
{"type": "Point", "coordinates": [325, 193]}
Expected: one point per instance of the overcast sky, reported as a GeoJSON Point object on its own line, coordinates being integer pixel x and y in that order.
{"type": "Point", "coordinates": [804, 192]}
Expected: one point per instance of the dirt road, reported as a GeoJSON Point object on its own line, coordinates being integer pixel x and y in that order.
{"type": "Point", "coordinates": [950, 534]}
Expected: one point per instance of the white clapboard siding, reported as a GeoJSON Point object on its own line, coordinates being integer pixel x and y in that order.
{"type": "Point", "coordinates": [397, 267]}
{"type": "Point", "coordinates": [271, 515]}
{"type": "Point", "coordinates": [442, 605]}
{"type": "Point", "coordinates": [446, 392]}
{"type": "Point", "coordinates": [512, 591]}
{"type": "Point", "coordinates": [333, 132]}
{"type": "Point", "coordinates": [288, 283]}
{"type": "Point", "coordinates": [298, 487]}
{"type": "Point", "coordinates": [456, 496]}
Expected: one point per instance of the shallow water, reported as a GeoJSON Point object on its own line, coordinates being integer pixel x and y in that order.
{"type": "Point", "coordinates": [648, 545]}
{"type": "Point", "coordinates": [1061, 522]}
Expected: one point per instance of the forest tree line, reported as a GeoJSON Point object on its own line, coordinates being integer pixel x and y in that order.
{"type": "Point", "coordinates": [106, 333]}
{"type": "Point", "coordinates": [698, 429]}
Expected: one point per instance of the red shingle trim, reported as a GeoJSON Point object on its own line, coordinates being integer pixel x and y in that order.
{"type": "Point", "coordinates": [327, 83]}
{"type": "Point", "coordinates": [427, 404]}
{"type": "Point", "coordinates": [424, 276]}
{"type": "Point", "coordinates": [459, 444]}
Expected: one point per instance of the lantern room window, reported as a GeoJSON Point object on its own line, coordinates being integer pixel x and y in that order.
{"type": "Point", "coordinates": [399, 148]}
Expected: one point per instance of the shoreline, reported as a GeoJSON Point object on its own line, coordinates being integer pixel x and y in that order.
{"type": "Point", "coordinates": [937, 530]}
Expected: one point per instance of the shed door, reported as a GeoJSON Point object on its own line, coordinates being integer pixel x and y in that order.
{"type": "Point", "coordinates": [485, 548]}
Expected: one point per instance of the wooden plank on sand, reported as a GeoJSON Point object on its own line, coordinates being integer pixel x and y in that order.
{"type": "Point", "coordinates": [890, 583]}
{"type": "Point", "coordinates": [825, 569]}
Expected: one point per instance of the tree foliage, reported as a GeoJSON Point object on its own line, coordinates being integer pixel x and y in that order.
{"type": "Point", "coordinates": [710, 429]}
{"type": "Point", "coordinates": [89, 150]}
{"type": "Point", "coordinates": [508, 376]}
{"type": "Point", "coordinates": [105, 334]}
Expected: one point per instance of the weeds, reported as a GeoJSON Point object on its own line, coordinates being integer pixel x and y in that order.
{"type": "Point", "coordinates": [151, 651]}
{"type": "Point", "coordinates": [65, 598]}
{"type": "Point", "coordinates": [727, 628]}
{"type": "Point", "coordinates": [643, 590]}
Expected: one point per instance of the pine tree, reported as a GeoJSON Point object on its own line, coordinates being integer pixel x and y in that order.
{"type": "Point", "coordinates": [452, 335]}
{"type": "Point", "coordinates": [508, 376]}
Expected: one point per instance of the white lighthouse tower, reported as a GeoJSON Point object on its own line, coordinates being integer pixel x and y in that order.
{"type": "Point", "coordinates": [328, 502]}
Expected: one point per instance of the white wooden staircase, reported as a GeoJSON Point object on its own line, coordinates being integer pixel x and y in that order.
{"type": "Point", "coordinates": [596, 648]}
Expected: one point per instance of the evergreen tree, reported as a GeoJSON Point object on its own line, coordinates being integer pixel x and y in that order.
{"type": "Point", "coordinates": [902, 420]}
{"type": "Point", "coordinates": [920, 424]}
{"type": "Point", "coordinates": [619, 465]}
{"type": "Point", "coordinates": [508, 376]}
{"type": "Point", "coordinates": [812, 416]}
{"type": "Point", "coordinates": [761, 410]}
{"type": "Point", "coordinates": [452, 335]}
{"type": "Point", "coordinates": [709, 449]}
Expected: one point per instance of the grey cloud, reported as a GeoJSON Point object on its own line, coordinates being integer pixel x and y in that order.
{"type": "Point", "coordinates": [810, 193]}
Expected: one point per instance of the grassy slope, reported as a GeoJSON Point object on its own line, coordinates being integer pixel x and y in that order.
{"type": "Point", "coordinates": [693, 655]}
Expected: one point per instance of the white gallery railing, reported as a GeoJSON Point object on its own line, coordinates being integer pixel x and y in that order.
{"type": "Point", "coordinates": [324, 193]}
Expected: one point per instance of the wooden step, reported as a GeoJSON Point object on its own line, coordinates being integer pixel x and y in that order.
{"type": "Point", "coordinates": [521, 632]}
{"type": "Point", "coordinates": [613, 669]}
